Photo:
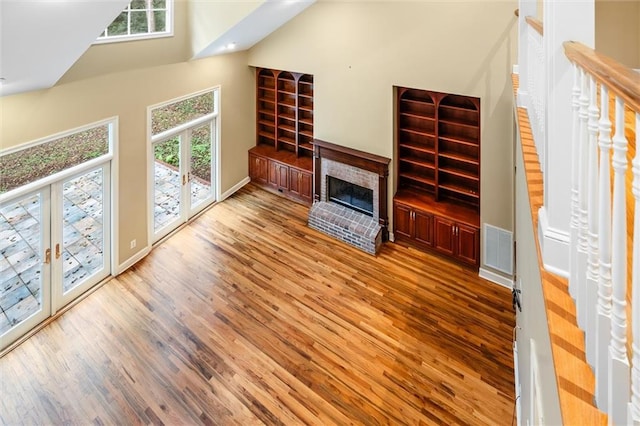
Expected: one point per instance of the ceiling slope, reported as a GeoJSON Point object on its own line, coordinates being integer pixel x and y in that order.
{"type": "Point", "coordinates": [253, 22]}
{"type": "Point", "coordinates": [41, 39]}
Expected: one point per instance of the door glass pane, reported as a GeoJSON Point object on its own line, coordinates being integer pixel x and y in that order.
{"type": "Point", "coordinates": [200, 164]}
{"type": "Point", "coordinates": [20, 261]}
{"type": "Point", "coordinates": [82, 232]}
{"type": "Point", "coordinates": [167, 185]}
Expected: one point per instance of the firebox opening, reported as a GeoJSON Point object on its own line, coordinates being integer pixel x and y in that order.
{"type": "Point", "coordinates": [350, 195]}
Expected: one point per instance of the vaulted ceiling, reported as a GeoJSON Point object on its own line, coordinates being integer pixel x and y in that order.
{"type": "Point", "coordinates": [41, 39]}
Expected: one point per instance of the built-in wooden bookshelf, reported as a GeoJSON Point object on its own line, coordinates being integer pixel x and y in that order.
{"type": "Point", "coordinates": [284, 132]}
{"type": "Point", "coordinates": [437, 203]}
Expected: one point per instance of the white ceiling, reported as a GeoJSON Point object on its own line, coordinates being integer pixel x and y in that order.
{"type": "Point", "coordinates": [255, 26]}
{"type": "Point", "coordinates": [41, 39]}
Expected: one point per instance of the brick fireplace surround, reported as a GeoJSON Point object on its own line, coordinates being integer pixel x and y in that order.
{"type": "Point", "coordinates": [361, 168]}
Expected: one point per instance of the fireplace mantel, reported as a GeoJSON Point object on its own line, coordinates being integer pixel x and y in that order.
{"type": "Point", "coordinates": [356, 158]}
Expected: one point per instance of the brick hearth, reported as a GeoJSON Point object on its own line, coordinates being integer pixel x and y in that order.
{"type": "Point", "coordinates": [348, 225]}
{"type": "Point", "coordinates": [360, 168]}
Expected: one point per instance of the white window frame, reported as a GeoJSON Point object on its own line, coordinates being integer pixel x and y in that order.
{"type": "Point", "coordinates": [142, 36]}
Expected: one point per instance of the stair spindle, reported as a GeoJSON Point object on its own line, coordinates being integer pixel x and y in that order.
{"type": "Point", "coordinates": [592, 221]}
{"type": "Point", "coordinates": [618, 361]}
{"type": "Point", "coordinates": [603, 318]}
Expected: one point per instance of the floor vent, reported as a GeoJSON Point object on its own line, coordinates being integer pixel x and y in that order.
{"type": "Point", "coordinates": [498, 249]}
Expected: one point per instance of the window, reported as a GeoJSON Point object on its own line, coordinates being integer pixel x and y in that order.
{"type": "Point", "coordinates": [41, 159]}
{"type": "Point", "coordinates": [177, 113]}
{"type": "Point", "coordinates": [140, 19]}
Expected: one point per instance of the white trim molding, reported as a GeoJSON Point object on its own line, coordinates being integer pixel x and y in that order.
{"type": "Point", "coordinates": [235, 188]}
{"type": "Point", "coordinates": [132, 260]}
{"type": "Point", "coordinates": [496, 278]}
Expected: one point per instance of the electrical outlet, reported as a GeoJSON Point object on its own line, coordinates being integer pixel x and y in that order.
{"type": "Point", "coordinates": [132, 244]}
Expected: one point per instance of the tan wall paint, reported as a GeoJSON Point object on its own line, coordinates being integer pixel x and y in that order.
{"type": "Point", "coordinates": [109, 58]}
{"type": "Point", "coordinates": [357, 52]}
{"type": "Point", "coordinates": [35, 115]}
{"type": "Point", "coordinates": [618, 30]}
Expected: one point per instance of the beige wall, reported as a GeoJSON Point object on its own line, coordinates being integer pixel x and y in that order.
{"type": "Point", "coordinates": [618, 30]}
{"type": "Point", "coordinates": [34, 115]}
{"type": "Point", "coordinates": [357, 52]}
{"type": "Point", "coordinates": [109, 58]}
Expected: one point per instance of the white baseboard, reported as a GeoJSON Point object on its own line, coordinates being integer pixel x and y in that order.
{"type": "Point", "coordinates": [496, 278]}
{"type": "Point", "coordinates": [228, 193]}
{"type": "Point", "coordinates": [133, 260]}
{"type": "Point", "coordinates": [554, 245]}
{"type": "Point", "coordinates": [392, 238]}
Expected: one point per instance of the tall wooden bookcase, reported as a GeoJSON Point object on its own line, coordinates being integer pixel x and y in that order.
{"type": "Point", "coordinates": [437, 202]}
{"type": "Point", "coordinates": [281, 161]}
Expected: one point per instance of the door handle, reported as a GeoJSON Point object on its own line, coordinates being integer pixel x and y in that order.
{"type": "Point", "coordinates": [58, 251]}
{"type": "Point", "coordinates": [47, 256]}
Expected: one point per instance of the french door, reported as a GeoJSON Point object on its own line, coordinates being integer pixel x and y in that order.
{"type": "Point", "coordinates": [55, 245]}
{"type": "Point", "coordinates": [183, 176]}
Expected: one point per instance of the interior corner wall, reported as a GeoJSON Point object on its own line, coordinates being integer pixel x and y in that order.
{"type": "Point", "coordinates": [618, 30]}
{"type": "Point", "coordinates": [358, 51]}
{"type": "Point", "coordinates": [34, 115]}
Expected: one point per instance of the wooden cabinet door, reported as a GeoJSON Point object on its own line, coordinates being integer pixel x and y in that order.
{"type": "Point", "coordinates": [468, 244]}
{"type": "Point", "coordinates": [300, 183]}
{"type": "Point", "coordinates": [306, 186]}
{"type": "Point", "coordinates": [423, 227]}
{"type": "Point", "coordinates": [274, 168]}
{"type": "Point", "coordinates": [279, 175]}
{"type": "Point", "coordinates": [294, 180]}
{"type": "Point", "coordinates": [283, 178]}
{"type": "Point", "coordinates": [258, 168]}
{"type": "Point", "coordinates": [444, 239]}
{"type": "Point", "coordinates": [402, 222]}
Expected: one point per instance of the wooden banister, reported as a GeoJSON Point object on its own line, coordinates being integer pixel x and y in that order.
{"type": "Point", "coordinates": [536, 24]}
{"type": "Point", "coordinates": [620, 80]}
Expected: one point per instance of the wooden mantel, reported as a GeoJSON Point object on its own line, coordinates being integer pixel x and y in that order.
{"type": "Point", "coordinates": [356, 158]}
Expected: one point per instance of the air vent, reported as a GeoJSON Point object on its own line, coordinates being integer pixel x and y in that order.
{"type": "Point", "coordinates": [498, 249]}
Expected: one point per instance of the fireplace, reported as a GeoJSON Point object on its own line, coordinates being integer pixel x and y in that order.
{"type": "Point", "coordinates": [350, 195]}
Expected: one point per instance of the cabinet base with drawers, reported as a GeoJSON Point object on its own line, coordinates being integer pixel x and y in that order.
{"type": "Point", "coordinates": [446, 228]}
{"type": "Point", "coordinates": [282, 172]}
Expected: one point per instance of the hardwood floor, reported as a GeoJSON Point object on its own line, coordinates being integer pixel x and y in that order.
{"type": "Point", "coordinates": [246, 316]}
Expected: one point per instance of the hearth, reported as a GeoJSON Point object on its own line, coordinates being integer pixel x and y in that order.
{"type": "Point", "coordinates": [350, 195]}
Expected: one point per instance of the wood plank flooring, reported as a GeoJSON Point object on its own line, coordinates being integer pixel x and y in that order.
{"type": "Point", "coordinates": [246, 316]}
